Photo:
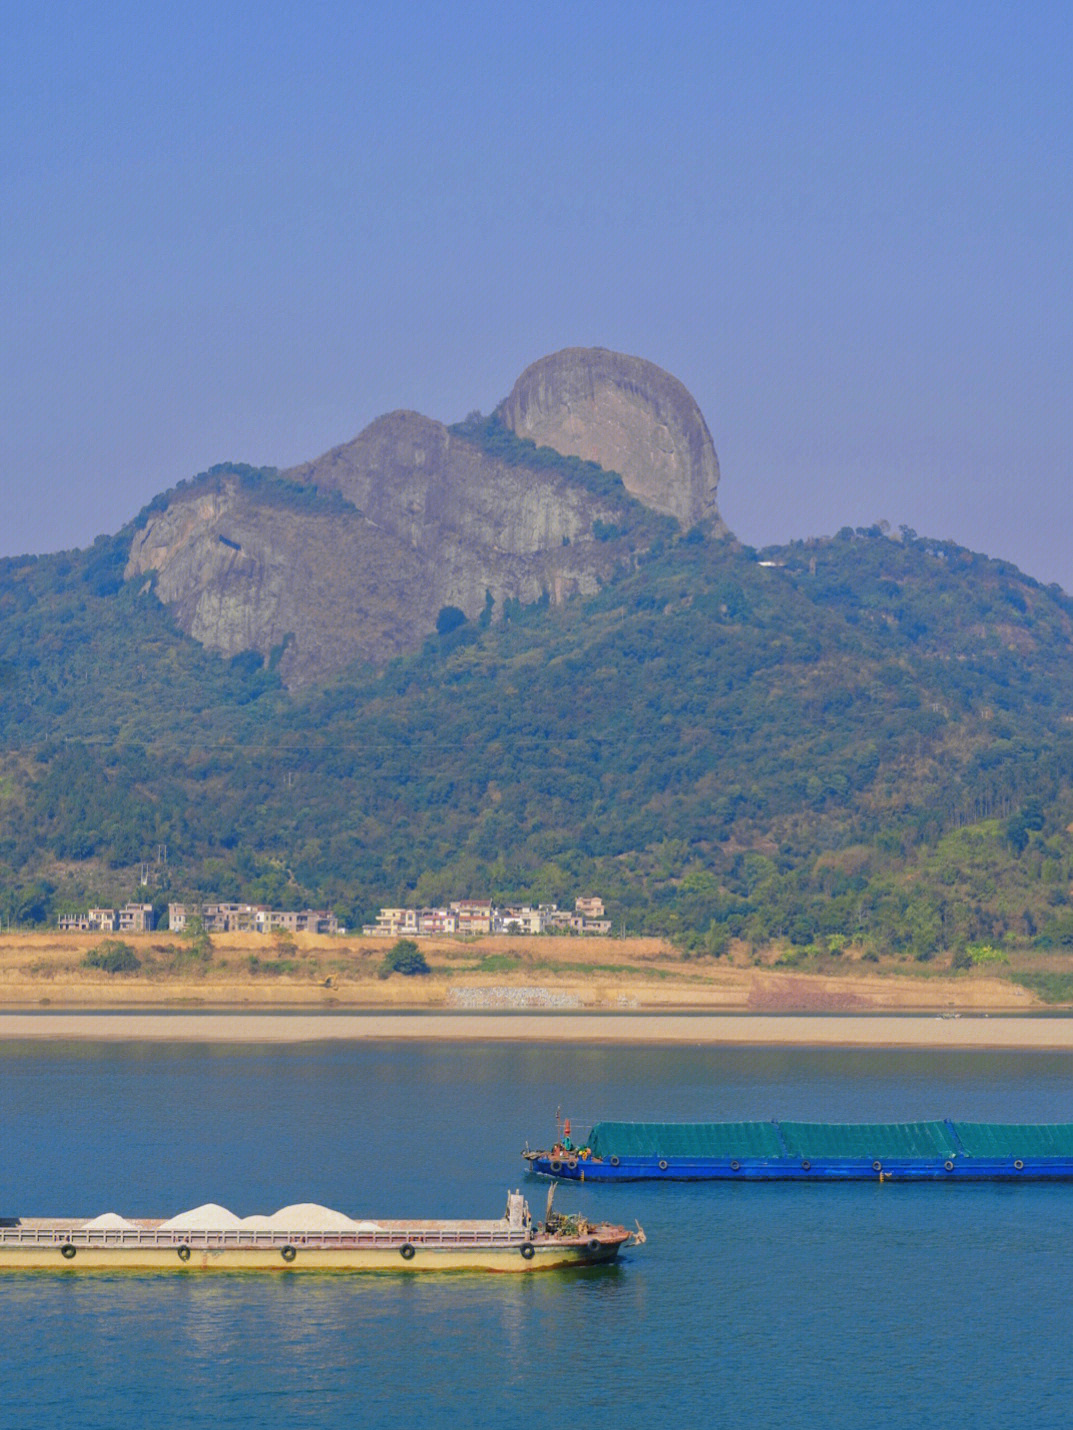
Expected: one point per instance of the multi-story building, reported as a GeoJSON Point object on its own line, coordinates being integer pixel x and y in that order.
{"type": "Point", "coordinates": [474, 915]}
{"type": "Point", "coordinates": [437, 921]}
{"type": "Point", "coordinates": [73, 923]}
{"type": "Point", "coordinates": [394, 923]}
{"type": "Point", "coordinates": [136, 918]}
{"type": "Point", "coordinates": [251, 918]}
{"type": "Point", "coordinates": [96, 920]}
{"type": "Point", "coordinates": [480, 916]}
{"type": "Point", "coordinates": [131, 918]}
{"type": "Point", "coordinates": [411, 923]}
{"type": "Point", "coordinates": [589, 908]}
{"type": "Point", "coordinates": [556, 920]}
{"type": "Point", "coordinates": [295, 921]}
{"type": "Point", "coordinates": [523, 919]}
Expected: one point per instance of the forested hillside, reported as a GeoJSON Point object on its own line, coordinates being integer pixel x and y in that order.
{"type": "Point", "coordinates": [857, 741]}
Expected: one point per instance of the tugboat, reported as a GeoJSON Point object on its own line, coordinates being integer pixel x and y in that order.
{"type": "Point", "coordinates": [308, 1237]}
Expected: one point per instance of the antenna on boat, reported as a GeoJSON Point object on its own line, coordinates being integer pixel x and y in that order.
{"type": "Point", "coordinates": [559, 1123]}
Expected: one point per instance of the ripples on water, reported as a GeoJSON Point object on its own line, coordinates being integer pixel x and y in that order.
{"type": "Point", "coordinates": [779, 1306]}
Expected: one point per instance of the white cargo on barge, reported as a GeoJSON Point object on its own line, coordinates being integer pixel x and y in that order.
{"type": "Point", "coordinates": [307, 1237]}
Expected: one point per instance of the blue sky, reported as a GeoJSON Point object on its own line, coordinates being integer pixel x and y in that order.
{"type": "Point", "coordinates": [242, 231]}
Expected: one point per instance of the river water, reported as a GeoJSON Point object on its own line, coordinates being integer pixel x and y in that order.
{"type": "Point", "coordinates": [781, 1305]}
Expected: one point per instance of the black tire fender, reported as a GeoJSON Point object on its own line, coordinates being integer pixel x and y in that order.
{"type": "Point", "coordinates": [555, 1165]}
{"type": "Point", "coordinates": [528, 1251]}
{"type": "Point", "coordinates": [948, 1165]}
{"type": "Point", "coordinates": [877, 1166]}
{"type": "Point", "coordinates": [735, 1166]}
{"type": "Point", "coordinates": [806, 1166]}
{"type": "Point", "coordinates": [662, 1164]}
{"type": "Point", "coordinates": [613, 1160]}
{"type": "Point", "coordinates": [1019, 1165]}
{"type": "Point", "coordinates": [184, 1253]}
{"type": "Point", "coordinates": [407, 1251]}
{"type": "Point", "coordinates": [288, 1253]}
{"type": "Point", "coordinates": [67, 1251]}
{"type": "Point", "coordinates": [593, 1244]}
{"type": "Point", "coordinates": [571, 1162]}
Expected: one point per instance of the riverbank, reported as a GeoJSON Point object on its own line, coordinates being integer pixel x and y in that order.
{"type": "Point", "coordinates": [697, 1029]}
{"type": "Point", "coordinates": [488, 975]}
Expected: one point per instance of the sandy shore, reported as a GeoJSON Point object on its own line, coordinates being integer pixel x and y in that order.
{"type": "Point", "coordinates": [699, 1029]}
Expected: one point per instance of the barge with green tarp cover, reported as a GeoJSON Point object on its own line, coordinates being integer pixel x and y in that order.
{"type": "Point", "coordinates": [811, 1151]}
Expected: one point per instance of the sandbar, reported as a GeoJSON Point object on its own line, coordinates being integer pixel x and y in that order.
{"type": "Point", "coordinates": [1054, 1033]}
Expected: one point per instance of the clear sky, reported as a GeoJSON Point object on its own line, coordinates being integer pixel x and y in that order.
{"type": "Point", "coordinates": [237, 231]}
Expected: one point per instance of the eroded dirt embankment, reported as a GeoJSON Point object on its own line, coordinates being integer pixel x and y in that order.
{"type": "Point", "coordinates": [253, 971]}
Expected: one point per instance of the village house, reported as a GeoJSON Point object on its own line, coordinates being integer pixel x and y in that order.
{"type": "Point", "coordinates": [478, 916]}
{"type": "Point", "coordinates": [410, 923]}
{"type": "Point", "coordinates": [131, 918]}
{"type": "Point", "coordinates": [474, 916]}
{"type": "Point", "coordinates": [136, 918]}
{"type": "Point", "coordinates": [296, 921]}
{"type": "Point", "coordinates": [251, 918]}
{"type": "Point", "coordinates": [521, 920]}
{"type": "Point", "coordinates": [394, 923]}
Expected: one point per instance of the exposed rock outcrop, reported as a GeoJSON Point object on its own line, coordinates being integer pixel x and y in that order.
{"type": "Point", "coordinates": [411, 477]}
{"type": "Point", "coordinates": [434, 523]}
{"type": "Point", "coordinates": [323, 588]}
{"type": "Point", "coordinates": [628, 415]}
{"type": "Point", "coordinates": [429, 519]}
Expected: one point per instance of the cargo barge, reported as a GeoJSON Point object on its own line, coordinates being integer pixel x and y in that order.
{"type": "Point", "coordinates": [308, 1238]}
{"type": "Point", "coordinates": [941, 1151]}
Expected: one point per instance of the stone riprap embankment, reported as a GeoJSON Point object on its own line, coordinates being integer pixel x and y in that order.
{"type": "Point", "coordinates": [505, 997]}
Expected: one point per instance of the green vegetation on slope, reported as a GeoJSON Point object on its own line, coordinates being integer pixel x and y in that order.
{"type": "Point", "coordinates": [264, 483]}
{"type": "Point", "coordinates": [866, 742]}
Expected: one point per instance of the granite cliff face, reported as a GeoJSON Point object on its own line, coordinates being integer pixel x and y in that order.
{"type": "Point", "coordinates": [410, 517]}
{"type": "Point", "coordinates": [628, 415]}
{"type": "Point", "coordinates": [440, 494]}
{"type": "Point", "coordinates": [318, 589]}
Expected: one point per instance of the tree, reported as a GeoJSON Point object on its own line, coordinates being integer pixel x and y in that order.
{"type": "Point", "coordinates": [403, 957]}
{"type": "Point", "coordinates": [31, 904]}
{"type": "Point", "coordinates": [198, 936]}
{"type": "Point", "coordinates": [113, 956]}
{"type": "Point", "coordinates": [449, 619]}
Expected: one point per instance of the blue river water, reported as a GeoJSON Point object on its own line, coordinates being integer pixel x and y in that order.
{"type": "Point", "coordinates": [780, 1305]}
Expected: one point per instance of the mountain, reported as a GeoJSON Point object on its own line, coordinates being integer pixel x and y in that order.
{"type": "Point", "coordinates": [354, 555]}
{"type": "Point", "coordinates": [861, 742]}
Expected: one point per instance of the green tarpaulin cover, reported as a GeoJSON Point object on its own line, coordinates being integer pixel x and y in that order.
{"type": "Point", "coordinates": [827, 1141]}
{"type": "Point", "coordinates": [996, 1139]}
{"type": "Point", "coordinates": [874, 1141]}
{"type": "Point", "coordinates": [685, 1139]}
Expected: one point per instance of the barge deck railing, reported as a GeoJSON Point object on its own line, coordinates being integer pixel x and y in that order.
{"type": "Point", "coordinates": [236, 1237]}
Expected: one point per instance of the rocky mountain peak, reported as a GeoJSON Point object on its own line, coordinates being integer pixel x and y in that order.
{"type": "Point", "coordinates": [628, 415]}
{"type": "Point", "coordinates": [353, 555]}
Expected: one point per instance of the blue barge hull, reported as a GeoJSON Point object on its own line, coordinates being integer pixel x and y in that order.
{"type": "Point", "coordinates": [785, 1170]}
{"type": "Point", "coordinates": [942, 1151]}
